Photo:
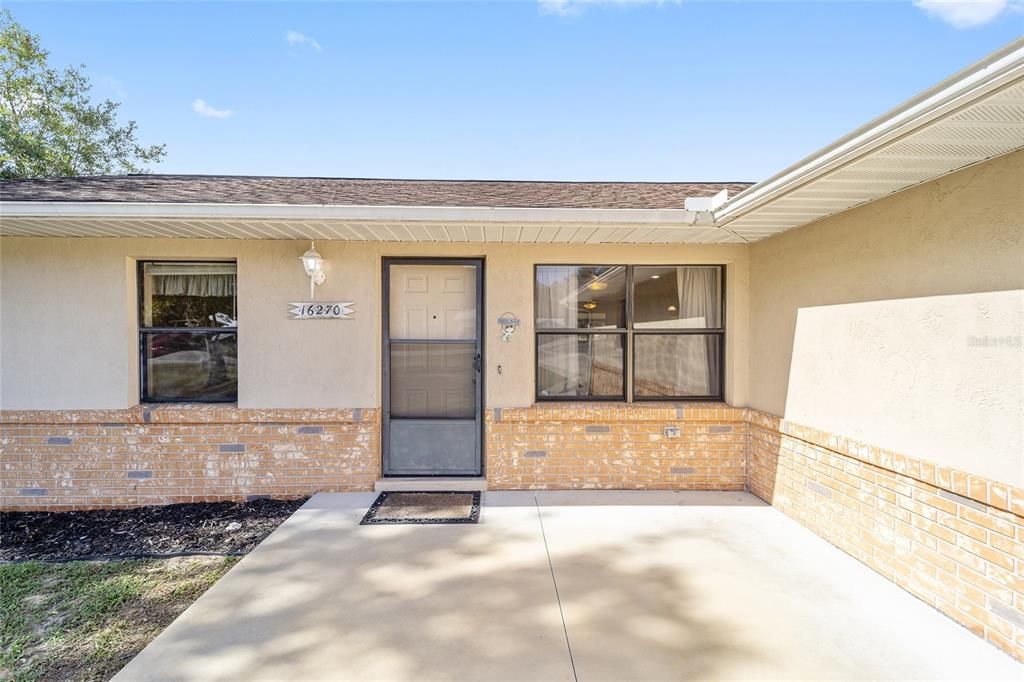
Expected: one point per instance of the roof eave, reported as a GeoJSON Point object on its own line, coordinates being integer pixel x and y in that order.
{"type": "Point", "coordinates": [999, 69]}
{"type": "Point", "coordinates": [452, 214]}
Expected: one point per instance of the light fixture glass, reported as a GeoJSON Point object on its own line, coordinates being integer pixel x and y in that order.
{"type": "Point", "coordinates": [312, 261]}
{"type": "Point", "coordinates": [597, 285]}
{"type": "Point", "coordinates": [672, 309]}
{"type": "Point", "coordinates": [655, 276]}
{"type": "Point", "coordinates": [590, 305]}
{"type": "Point", "coordinates": [313, 264]}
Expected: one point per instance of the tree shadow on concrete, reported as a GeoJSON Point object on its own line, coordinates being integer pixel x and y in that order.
{"type": "Point", "coordinates": [331, 600]}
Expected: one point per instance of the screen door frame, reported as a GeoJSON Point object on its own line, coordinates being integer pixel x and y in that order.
{"type": "Point", "coordinates": [386, 344]}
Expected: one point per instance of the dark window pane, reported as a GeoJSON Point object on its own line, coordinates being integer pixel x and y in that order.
{"type": "Point", "coordinates": [189, 295]}
{"type": "Point", "coordinates": [191, 366]}
{"type": "Point", "coordinates": [581, 297]}
{"type": "Point", "coordinates": [677, 298]}
{"type": "Point", "coordinates": [684, 365]}
{"type": "Point", "coordinates": [580, 365]}
{"type": "Point", "coordinates": [433, 380]}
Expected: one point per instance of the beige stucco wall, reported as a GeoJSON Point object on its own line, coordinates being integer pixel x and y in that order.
{"type": "Point", "coordinates": [899, 323]}
{"type": "Point", "coordinates": [68, 336]}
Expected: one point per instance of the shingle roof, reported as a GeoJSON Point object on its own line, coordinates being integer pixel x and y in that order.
{"type": "Point", "coordinates": [225, 189]}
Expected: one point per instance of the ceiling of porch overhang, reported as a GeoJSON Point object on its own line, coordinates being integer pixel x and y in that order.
{"type": "Point", "coordinates": [973, 116]}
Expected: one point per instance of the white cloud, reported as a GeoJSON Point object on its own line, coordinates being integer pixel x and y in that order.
{"type": "Point", "coordinates": [298, 38]}
{"type": "Point", "coordinates": [568, 8]}
{"type": "Point", "coordinates": [206, 111]}
{"type": "Point", "coordinates": [968, 13]}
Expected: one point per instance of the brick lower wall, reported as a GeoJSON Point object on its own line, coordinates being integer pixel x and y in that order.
{"type": "Point", "coordinates": [52, 460]}
{"type": "Point", "coordinates": [954, 540]}
{"type": "Point", "coordinates": [616, 446]}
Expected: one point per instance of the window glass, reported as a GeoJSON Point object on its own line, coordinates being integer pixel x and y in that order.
{"type": "Point", "coordinates": [580, 365]}
{"type": "Point", "coordinates": [581, 297]}
{"type": "Point", "coordinates": [189, 295]}
{"type": "Point", "coordinates": [687, 297]}
{"type": "Point", "coordinates": [191, 366]}
{"type": "Point", "coordinates": [677, 365]}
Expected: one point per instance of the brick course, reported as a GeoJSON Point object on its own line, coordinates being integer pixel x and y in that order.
{"type": "Point", "coordinates": [945, 536]}
{"type": "Point", "coordinates": [80, 459]}
{"type": "Point", "coordinates": [557, 446]}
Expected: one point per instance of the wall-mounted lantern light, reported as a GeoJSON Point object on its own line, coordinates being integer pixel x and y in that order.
{"type": "Point", "coordinates": [313, 263]}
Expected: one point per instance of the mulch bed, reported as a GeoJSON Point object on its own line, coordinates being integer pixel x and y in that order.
{"type": "Point", "coordinates": [213, 527]}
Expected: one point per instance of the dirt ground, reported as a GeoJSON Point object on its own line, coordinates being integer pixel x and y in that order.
{"type": "Point", "coordinates": [217, 527]}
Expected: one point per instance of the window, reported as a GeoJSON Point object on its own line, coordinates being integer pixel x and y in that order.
{"type": "Point", "coordinates": [665, 324]}
{"type": "Point", "coordinates": [188, 337]}
{"type": "Point", "coordinates": [581, 332]}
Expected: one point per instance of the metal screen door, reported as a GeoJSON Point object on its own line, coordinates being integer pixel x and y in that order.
{"type": "Point", "coordinates": [432, 360]}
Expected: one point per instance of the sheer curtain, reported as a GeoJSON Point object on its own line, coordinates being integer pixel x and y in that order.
{"type": "Point", "coordinates": [698, 290]}
{"type": "Point", "coordinates": [557, 306]}
{"type": "Point", "coordinates": [192, 279]}
{"type": "Point", "coordinates": [187, 290]}
{"type": "Point", "coordinates": [697, 362]}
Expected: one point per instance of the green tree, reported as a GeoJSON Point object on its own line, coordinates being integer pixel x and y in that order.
{"type": "Point", "coordinates": [48, 125]}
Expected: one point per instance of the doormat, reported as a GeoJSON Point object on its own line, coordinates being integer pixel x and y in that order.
{"type": "Point", "coordinates": [424, 507]}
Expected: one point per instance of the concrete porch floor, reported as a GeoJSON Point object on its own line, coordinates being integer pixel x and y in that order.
{"type": "Point", "coordinates": [561, 586]}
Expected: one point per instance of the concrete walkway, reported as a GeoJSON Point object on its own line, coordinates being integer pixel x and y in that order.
{"type": "Point", "coordinates": [561, 586]}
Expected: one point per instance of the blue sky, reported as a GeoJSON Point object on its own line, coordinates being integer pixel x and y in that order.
{"type": "Point", "coordinates": [556, 89]}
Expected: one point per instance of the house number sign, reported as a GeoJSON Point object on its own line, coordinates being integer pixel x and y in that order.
{"type": "Point", "coordinates": [321, 310]}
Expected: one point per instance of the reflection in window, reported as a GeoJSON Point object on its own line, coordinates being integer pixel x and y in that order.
{"type": "Point", "coordinates": [677, 298]}
{"type": "Point", "coordinates": [580, 365]}
{"type": "Point", "coordinates": [671, 365]}
{"type": "Point", "coordinates": [189, 295]}
{"type": "Point", "coordinates": [189, 366]}
{"type": "Point", "coordinates": [581, 297]}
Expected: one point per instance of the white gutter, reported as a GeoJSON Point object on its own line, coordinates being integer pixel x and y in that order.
{"type": "Point", "coordinates": [995, 71]}
{"type": "Point", "coordinates": [667, 217]}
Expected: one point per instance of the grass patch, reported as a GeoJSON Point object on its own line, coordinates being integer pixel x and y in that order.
{"type": "Point", "coordinates": [85, 620]}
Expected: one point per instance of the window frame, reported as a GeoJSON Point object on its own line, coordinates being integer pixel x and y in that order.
{"type": "Point", "coordinates": [143, 331]}
{"type": "Point", "coordinates": [630, 333]}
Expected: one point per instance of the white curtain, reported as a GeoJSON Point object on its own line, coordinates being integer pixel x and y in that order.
{"type": "Point", "coordinates": [557, 306]}
{"type": "Point", "coordinates": [192, 279]}
{"type": "Point", "coordinates": [698, 292]}
{"type": "Point", "coordinates": [697, 361]}
{"type": "Point", "coordinates": [194, 285]}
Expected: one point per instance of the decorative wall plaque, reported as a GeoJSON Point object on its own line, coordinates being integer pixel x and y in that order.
{"type": "Point", "coordinates": [509, 324]}
{"type": "Point", "coordinates": [321, 310]}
